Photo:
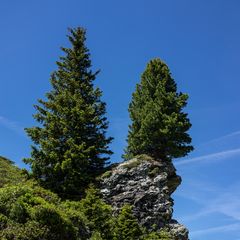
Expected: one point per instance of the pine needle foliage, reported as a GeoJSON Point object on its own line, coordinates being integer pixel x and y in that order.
{"type": "Point", "coordinates": [159, 126]}
{"type": "Point", "coordinates": [70, 145]}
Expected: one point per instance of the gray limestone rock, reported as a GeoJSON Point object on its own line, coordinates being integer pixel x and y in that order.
{"type": "Point", "coordinates": [147, 185]}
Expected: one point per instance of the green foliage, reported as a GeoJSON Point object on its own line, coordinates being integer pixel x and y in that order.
{"type": "Point", "coordinates": [74, 212]}
{"type": "Point", "coordinates": [98, 213]}
{"type": "Point", "coordinates": [159, 235]}
{"type": "Point", "coordinates": [29, 212]}
{"type": "Point", "coordinates": [9, 173]}
{"type": "Point", "coordinates": [136, 161]}
{"type": "Point", "coordinates": [70, 145]}
{"type": "Point", "coordinates": [127, 227]}
{"type": "Point", "coordinates": [132, 163]}
{"type": "Point", "coordinates": [159, 126]}
{"type": "Point", "coordinates": [29, 231]}
{"type": "Point", "coordinates": [96, 236]}
{"type": "Point", "coordinates": [107, 174]}
{"type": "Point", "coordinates": [154, 172]}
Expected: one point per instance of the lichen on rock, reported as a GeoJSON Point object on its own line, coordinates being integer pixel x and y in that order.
{"type": "Point", "coordinates": [147, 185]}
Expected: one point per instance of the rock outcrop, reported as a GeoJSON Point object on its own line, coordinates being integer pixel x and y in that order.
{"type": "Point", "coordinates": [147, 185]}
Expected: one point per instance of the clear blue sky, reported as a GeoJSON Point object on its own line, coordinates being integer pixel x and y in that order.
{"type": "Point", "coordinates": [199, 40]}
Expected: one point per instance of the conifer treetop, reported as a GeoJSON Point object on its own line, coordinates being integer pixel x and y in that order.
{"type": "Point", "coordinates": [159, 126]}
{"type": "Point", "coordinates": [70, 145]}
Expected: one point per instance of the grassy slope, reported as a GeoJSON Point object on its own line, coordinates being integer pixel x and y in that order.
{"type": "Point", "coordinates": [8, 172]}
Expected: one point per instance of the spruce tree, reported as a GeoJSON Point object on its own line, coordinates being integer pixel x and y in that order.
{"type": "Point", "coordinates": [70, 144]}
{"type": "Point", "coordinates": [159, 125]}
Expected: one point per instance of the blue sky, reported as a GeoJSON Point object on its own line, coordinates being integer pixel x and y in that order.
{"type": "Point", "coordinates": [199, 40]}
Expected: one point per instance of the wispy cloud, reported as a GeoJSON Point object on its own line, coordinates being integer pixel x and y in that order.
{"type": "Point", "coordinates": [210, 157]}
{"type": "Point", "coordinates": [12, 125]}
{"type": "Point", "coordinates": [224, 201]}
{"type": "Point", "coordinates": [219, 229]}
{"type": "Point", "coordinates": [222, 138]}
{"type": "Point", "coordinates": [210, 197]}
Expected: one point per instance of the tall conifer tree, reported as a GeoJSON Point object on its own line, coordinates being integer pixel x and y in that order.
{"type": "Point", "coordinates": [159, 126]}
{"type": "Point", "coordinates": [70, 145]}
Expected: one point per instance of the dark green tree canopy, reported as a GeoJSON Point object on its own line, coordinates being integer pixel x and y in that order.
{"type": "Point", "coordinates": [70, 143]}
{"type": "Point", "coordinates": [159, 126]}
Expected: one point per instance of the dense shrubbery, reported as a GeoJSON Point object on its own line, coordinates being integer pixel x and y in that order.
{"type": "Point", "coordinates": [8, 172]}
{"type": "Point", "coordinates": [30, 212]}
{"type": "Point", "coordinates": [160, 235]}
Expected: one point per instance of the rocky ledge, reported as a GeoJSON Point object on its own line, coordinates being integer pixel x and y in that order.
{"type": "Point", "coordinates": [147, 185]}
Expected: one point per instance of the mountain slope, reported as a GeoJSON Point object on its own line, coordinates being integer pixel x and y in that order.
{"type": "Point", "coordinates": [9, 173]}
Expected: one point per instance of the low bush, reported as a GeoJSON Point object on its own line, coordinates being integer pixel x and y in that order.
{"type": "Point", "coordinates": [9, 173]}
{"type": "Point", "coordinates": [29, 212]}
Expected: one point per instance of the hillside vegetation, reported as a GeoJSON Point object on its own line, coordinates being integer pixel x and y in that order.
{"type": "Point", "coordinates": [30, 212]}
{"type": "Point", "coordinates": [9, 173]}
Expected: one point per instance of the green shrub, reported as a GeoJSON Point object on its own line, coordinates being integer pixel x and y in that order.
{"type": "Point", "coordinates": [74, 212]}
{"type": "Point", "coordinates": [96, 236]}
{"type": "Point", "coordinates": [9, 173]}
{"type": "Point", "coordinates": [30, 231]}
{"type": "Point", "coordinates": [158, 235]}
{"type": "Point", "coordinates": [132, 163]}
{"type": "Point", "coordinates": [107, 174]}
{"type": "Point", "coordinates": [98, 213]}
{"type": "Point", "coordinates": [136, 161]}
{"type": "Point", "coordinates": [127, 227]}
{"type": "Point", "coordinates": [30, 212]}
{"type": "Point", "coordinates": [154, 172]}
